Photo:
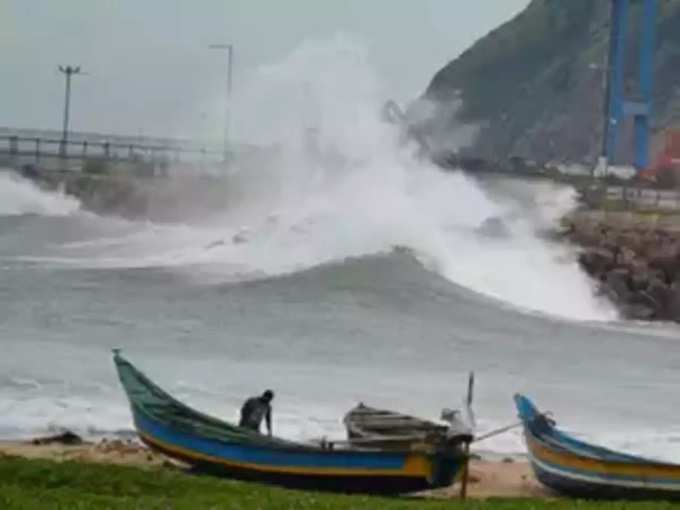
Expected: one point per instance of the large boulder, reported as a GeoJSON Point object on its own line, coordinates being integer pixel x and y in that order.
{"type": "Point", "coordinates": [639, 311]}
{"type": "Point", "coordinates": [597, 261]}
{"type": "Point", "coordinates": [666, 260]}
{"type": "Point", "coordinates": [583, 230]}
{"type": "Point", "coordinates": [659, 291]}
{"type": "Point", "coordinates": [643, 277]}
{"type": "Point", "coordinates": [618, 284]}
{"type": "Point", "coordinates": [674, 302]}
{"type": "Point", "coordinates": [630, 240]}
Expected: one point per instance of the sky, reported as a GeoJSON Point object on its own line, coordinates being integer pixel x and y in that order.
{"type": "Point", "coordinates": [149, 70]}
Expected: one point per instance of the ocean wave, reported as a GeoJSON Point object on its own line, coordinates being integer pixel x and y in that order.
{"type": "Point", "coordinates": [343, 184]}
{"type": "Point", "coordinates": [96, 420]}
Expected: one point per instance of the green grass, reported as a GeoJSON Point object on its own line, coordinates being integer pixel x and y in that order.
{"type": "Point", "coordinates": [40, 484]}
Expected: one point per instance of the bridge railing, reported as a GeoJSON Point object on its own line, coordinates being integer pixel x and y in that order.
{"type": "Point", "coordinates": [37, 147]}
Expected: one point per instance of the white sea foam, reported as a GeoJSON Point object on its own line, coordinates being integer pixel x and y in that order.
{"type": "Point", "coordinates": [19, 196]}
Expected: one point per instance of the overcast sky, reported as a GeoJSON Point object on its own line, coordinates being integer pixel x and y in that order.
{"type": "Point", "coordinates": [150, 72]}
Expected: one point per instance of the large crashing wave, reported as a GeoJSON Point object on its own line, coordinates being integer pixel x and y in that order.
{"type": "Point", "coordinates": [19, 196]}
{"type": "Point", "coordinates": [342, 184]}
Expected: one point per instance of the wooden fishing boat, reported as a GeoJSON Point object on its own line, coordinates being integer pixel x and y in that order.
{"type": "Point", "coordinates": [390, 429]}
{"type": "Point", "coordinates": [213, 446]}
{"type": "Point", "coordinates": [575, 468]}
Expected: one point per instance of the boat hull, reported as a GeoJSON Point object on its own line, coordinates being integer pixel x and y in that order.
{"type": "Point", "coordinates": [345, 471]}
{"type": "Point", "coordinates": [578, 488]}
{"type": "Point", "coordinates": [575, 468]}
{"type": "Point", "coordinates": [346, 484]}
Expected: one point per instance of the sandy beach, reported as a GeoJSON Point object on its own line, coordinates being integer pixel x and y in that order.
{"type": "Point", "coordinates": [488, 479]}
{"type": "Point", "coordinates": [494, 479]}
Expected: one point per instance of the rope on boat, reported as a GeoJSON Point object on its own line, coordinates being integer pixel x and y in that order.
{"type": "Point", "coordinates": [498, 432]}
{"type": "Point", "coordinates": [508, 428]}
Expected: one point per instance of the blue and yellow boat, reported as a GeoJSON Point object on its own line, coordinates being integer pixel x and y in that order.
{"type": "Point", "coordinates": [575, 468]}
{"type": "Point", "coordinates": [212, 446]}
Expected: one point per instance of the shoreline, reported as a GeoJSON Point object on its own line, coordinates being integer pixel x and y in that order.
{"type": "Point", "coordinates": [503, 477]}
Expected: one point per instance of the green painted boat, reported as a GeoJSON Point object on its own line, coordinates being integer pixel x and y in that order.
{"type": "Point", "coordinates": [213, 446]}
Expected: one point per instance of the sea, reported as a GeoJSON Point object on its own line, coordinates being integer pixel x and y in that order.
{"type": "Point", "coordinates": [346, 270]}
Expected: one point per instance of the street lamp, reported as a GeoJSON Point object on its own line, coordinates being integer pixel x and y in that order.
{"type": "Point", "coordinates": [68, 71]}
{"type": "Point", "coordinates": [227, 119]}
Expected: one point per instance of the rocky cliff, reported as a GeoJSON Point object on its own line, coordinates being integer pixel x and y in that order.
{"type": "Point", "coordinates": [535, 85]}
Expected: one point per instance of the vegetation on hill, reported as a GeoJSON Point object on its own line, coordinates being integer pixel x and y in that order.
{"type": "Point", "coordinates": [535, 85]}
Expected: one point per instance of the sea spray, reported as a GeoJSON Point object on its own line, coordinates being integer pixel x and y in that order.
{"type": "Point", "coordinates": [19, 196]}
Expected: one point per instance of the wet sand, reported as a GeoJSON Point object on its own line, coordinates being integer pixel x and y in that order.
{"type": "Point", "coordinates": [498, 479]}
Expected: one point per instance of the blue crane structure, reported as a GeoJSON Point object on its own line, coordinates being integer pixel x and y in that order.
{"type": "Point", "coordinates": [620, 103]}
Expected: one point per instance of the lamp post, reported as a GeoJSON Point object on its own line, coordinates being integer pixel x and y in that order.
{"type": "Point", "coordinates": [227, 119]}
{"type": "Point", "coordinates": [68, 71]}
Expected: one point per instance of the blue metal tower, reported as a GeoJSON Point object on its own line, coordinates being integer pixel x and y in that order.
{"type": "Point", "coordinates": [620, 104]}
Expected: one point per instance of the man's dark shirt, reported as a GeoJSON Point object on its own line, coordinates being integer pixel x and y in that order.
{"type": "Point", "coordinates": [253, 411]}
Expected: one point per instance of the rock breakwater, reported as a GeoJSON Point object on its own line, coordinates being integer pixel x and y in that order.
{"type": "Point", "coordinates": [635, 258]}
